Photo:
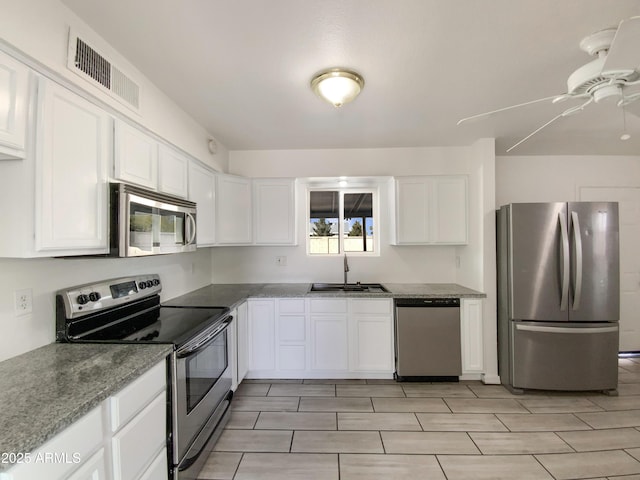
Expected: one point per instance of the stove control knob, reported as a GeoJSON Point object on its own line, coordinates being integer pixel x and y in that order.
{"type": "Point", "coordinates": [82, 299]}
{"type": "Point", "coordinates": [156, 282]}
{"type": "Point", "coordinates": [94, 296]}
{"type": "Point", "coordinates": [142, 285]}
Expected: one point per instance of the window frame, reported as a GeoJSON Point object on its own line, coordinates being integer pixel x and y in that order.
{"type": "Point", "coordinates": [375, 205]}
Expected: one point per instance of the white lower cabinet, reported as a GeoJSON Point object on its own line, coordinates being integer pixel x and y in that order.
{"type": "Point", "coordinates": [329, 335]}
{"type": "Point", "coordinates": [93, 469]}
{"type": "Point", "coordinates": [371, 335]}
{"type": "Point", "coordinates": [471, 332]}
{"type": "Point", "coordinates": [124, 438]}
{"type": "Point", "coordinates": [320, 338]}
{"type": "Point", "coordinates": [242, 331]}
{"type": "Point", "coordinates": [262, 334]}
{"type": "Point", "coordinates": [292, 334]}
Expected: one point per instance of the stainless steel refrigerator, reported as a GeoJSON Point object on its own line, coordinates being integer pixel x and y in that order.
{"type": "Point", "coordinates": [558, 295]}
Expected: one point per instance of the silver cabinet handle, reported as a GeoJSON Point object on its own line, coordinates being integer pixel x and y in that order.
{"type": "Point", "coordinates": [577, 331]}
{"type": "Point", "coordinates": [565, 261]}
{"type": "Point", "coordinates": [577, 235]}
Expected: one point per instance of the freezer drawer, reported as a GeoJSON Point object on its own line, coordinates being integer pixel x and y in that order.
{"type": "Point", "coordinates": [567, 356]}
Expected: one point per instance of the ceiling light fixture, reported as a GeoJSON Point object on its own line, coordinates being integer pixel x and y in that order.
{"type": "Point", "coordinates": [337, 85]}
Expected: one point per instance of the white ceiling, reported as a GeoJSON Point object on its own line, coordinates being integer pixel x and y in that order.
{"type": "Point", "coordinates": [242, 69]}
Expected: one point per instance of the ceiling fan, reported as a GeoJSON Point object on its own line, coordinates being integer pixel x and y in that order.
{"type": "Point", "coordinates": [615, 69]}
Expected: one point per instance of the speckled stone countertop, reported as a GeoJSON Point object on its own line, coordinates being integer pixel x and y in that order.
{"type": "Point", "coordinates": [230, 295]}
{"type": "Point", "coordinates": [44, 391]}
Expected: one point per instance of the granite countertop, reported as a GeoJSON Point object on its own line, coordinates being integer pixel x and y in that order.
{"type": "Point", "coordinates": [231, 295]}
{"type": "Point", "coordinates": [45, 390]}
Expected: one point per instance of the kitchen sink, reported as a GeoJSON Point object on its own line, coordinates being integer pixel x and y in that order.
{"type": "Point", "coordinates": [348, 287]}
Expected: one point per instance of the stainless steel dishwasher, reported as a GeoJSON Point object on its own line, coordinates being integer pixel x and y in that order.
{"type": "Point", "coordinates": [427, 332]}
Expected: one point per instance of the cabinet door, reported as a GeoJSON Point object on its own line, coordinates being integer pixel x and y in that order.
{"type": "Point", "coordinates": [329, 349]}
{"type": "Point", "coordinates": [158, 470]}
{"type": "Point", "coordinates": [243, 341]}
{"type": "Point", "coordinates": [449, 210]}
{"type": "Point", "coordinates": [202, 190]}
{"type": "Point", "coordinates": [262, 330]}
{"type": "Point", "coordinates": [138, 443]}
{"type": "Point", "coordinates": [71, 173]}
{"type": "Point", "coordinates": [173, 169]}
{"type": "Point", "coordinates": [233, 210]}
{"type": "Point", "coordinates": [135, 156]}
{"type": "Point", "coordinates": [412, 210]}
{"type": "Point", "coordinates": [14, 90]}
{"type": "Point", "coordinates": [274, 211]}
{"type": "Point", "coordinates": [93, 469]}
{"type": "Point", "coordinates": [471, 335]}
{"type": "Point", "coordinates": [371, 335]}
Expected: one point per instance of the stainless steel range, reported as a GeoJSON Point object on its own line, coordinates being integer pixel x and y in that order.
{"type": "Point", "coordinates": [128, 310]}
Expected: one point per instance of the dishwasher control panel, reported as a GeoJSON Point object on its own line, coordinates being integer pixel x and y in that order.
{"type": "Point", "coordinates": [427, 302]}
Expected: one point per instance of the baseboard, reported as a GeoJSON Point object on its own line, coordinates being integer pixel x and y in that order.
{"type": "Point", "coordinates": [490, 379]}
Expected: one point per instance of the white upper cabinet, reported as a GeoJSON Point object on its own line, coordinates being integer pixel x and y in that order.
{"type": "Point", "coordinates": [274, 211]}
{"type": "Point", "coordinates": [135, 156]}
{"type": "Point", "coordinates": [233, 210]}
{"type": "Point", "coordinates": [202, 190]}
{"type": "Point", "coordinates": [142, 160]}
{"type": "Point", "coordinates": [173, 168]}
{"type": "Point", "coordinates": [73, 153]}
{"type": "Point", "coordinates": [14, 94]}
{"type": "Point", "coordinates": [430, 210]}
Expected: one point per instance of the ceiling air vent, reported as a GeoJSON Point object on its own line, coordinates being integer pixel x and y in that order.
{"type": "Point", "coordinates": [94, 67]}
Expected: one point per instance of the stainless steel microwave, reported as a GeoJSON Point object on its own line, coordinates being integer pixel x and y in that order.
{"type": "Point", "coordinates": [143, 222]}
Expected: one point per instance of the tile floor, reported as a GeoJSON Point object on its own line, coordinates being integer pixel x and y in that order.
{"type": "Point", "coordinates": [370, 430]}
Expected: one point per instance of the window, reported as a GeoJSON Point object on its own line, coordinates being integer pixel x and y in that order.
{"type": "Point", "coordinates": [342, 221]}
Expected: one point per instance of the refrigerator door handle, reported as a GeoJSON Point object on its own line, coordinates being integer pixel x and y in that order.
{"type": "Point", "coordinates": [577, 235]}
{"type": "Point", "coordinates": [582, 330]}
{"type": "Point", "coordinates": [565, 259]}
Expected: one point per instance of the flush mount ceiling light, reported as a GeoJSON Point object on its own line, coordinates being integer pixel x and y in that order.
{"type": "Point", "coordinates": [337, 86]}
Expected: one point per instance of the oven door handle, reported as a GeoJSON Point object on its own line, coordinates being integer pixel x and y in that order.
{"type": "Point", "coordinates": [192, 349]}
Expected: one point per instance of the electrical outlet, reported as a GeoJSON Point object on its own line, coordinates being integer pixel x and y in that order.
{"type": "Point", "coordinates": [281, 261]}
{"type": "Point", "coordinates": [23, 301]}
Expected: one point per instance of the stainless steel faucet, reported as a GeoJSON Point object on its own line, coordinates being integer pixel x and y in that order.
{"type": "Point", "coordinates": [346, 269]}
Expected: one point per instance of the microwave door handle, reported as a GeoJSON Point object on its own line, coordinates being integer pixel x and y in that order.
{"type": "Point", "coordinates": [565, 261]}
{"type": "Point", "coordinates": [577, 235]}
{"type": "Point", "coordinates": [191, 230]}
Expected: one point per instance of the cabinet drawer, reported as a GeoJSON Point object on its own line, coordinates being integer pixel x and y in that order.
{"type": "Point", "coordinates": [291, 305]}
{"type": "Point", "coordinates": [323, 305]}
{"type": "Point", "coordinates": [292, 328]}
{"type": "Point", "coordinates": [140, 440]}
{"type": "Point", "coordinates": [158, 470]}
{"type": "Point", "coordinates": [93, 469]}
{"type": "Point", "coordinates": [76, 442]}
{"type": "Point", "coordinates": [382, 306]}
{"type": "Point", "coordinates": [131, 399]}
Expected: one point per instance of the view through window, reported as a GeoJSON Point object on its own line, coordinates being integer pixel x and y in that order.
{"type": "Point", "coordinates": [341, 222]}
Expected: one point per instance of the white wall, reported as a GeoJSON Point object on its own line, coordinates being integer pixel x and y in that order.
{"type": "Point", "coordinates": [558, 178]}
{"type": "Point", "coordinates": [179, 273]}
{"type": "Point", "coordinates": [40, 29]}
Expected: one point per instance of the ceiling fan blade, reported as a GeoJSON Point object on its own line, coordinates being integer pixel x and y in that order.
{"type": "Point", "coordinates": [624, 55]}
{"type": "Point", "coordinates": [485, 114]}
{"type": "Point", "coordinates": [566, 113]}
{"type": "Point", "coordinates": [633, 106]}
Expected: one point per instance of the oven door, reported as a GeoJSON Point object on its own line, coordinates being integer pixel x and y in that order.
{"type": "Point", "coordinates": [202, 382]}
